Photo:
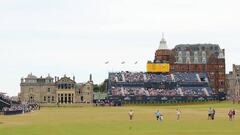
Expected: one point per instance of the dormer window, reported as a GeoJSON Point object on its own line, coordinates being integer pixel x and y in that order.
{"type": "Point", "coordinates": [180, 54]}
{"type": "Point", "coordinates": [203, 54]}
{"type": "Point", "coordinates": [187, 54]}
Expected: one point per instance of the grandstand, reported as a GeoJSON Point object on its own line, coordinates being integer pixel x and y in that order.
{"type": "Point", "coordinates": [158, 87]}
{"type": "Point", "coordinates": [4, 101]}
{"type": "Point", "coordinates": [11, 107]}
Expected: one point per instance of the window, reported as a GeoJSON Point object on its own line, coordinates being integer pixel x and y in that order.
{"type": "Point", "coordinates": [49, 99]}
{"type": "Point", "coordinates": [179, 67]}
{"type": "Point", "coordinates": [187, 54]}
{"type": "Point", "coordinates": [52, 98]}
{"type": "Point", "coordinates": [49, 90]}
{"type": "Point", "coordinates": [188, 67]}
{"type": "Point", "coordinates": [179, 54]}
{"type": "Point", "coordinates": [221, 82]}
{"type": "Point", "coordinates": [204, 67]}
{"type": "Point", "coordinates": [180, 60]}
{"type": "Point", "coordinates": [188, 61]}
{"type": "Point", "coordinates": [44, 98]}
{"type": "Point", "coordinates": [195, 67]}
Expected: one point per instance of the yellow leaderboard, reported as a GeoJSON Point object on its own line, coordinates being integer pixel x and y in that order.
{"type": "Point", "coordinates": [158, 67]}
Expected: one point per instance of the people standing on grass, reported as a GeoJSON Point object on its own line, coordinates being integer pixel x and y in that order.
{"type": "Point", "coordinates": [210, 112]}
{"type": "Point", "coordinates": [178, 112]}
{"type": "Point", "coordinates": [158, 114]}
{"type": "Point", "coordinates": [213, 113]}
{"type": "Point", "coordinates": [131, 114]}
{"type": "Point", "coordinates": [230, 115]}
{"type": "Point", "coordinates": [161, 117]}
{"type": "Point", "coordinates": [233, 113]}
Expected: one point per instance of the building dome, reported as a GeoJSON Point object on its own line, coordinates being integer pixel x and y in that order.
{"type": "Point", "coordinates": [49, 77]}
{"type": "Point", "coordinates": [31, 76]}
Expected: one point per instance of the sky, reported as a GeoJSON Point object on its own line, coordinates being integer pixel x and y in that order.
{"type": "Point", "coordinates": [77, 37]}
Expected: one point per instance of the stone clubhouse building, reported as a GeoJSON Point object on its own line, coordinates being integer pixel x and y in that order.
{"type": "Point", "coordinates": [51, 90]}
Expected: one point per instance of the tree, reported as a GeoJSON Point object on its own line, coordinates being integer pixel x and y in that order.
{"type": "Point", "coordinates": [100, 87]}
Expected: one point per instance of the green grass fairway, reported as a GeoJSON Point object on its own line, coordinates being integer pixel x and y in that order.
{"type": "Point", "coordinates": [114, 121]}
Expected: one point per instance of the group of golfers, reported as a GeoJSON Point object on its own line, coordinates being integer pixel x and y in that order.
{"type": "Point", "coordinates": [159, 115]}
{"type": "Point", "coordinates": [211, 114]}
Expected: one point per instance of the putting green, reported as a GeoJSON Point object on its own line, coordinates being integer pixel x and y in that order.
{"type": "Point", "coordinates": [114, 121]}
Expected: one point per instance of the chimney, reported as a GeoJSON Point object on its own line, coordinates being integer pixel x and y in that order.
{"type": "Point", "coordinates": [22, 80]}
{"type": "Point", "coordinates": [90, 78]}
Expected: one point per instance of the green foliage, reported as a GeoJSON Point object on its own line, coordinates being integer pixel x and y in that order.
{"type": "Point", "coordinates": [96, 88]}
{"type": "Point", "coordinates": [101, 87]}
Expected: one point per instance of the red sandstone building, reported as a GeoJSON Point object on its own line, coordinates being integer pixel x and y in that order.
{"type": "Point", "coordinates": [208, 58]}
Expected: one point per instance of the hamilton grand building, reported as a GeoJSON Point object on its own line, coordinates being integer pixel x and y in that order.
{"type": "Point", "coordinates": [209, 58]}
{"type": "Point", "coordinates": [62, 90]}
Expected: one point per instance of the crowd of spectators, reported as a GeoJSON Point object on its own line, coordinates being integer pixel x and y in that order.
{"type": "Point", "coordinates": [185, 77]}
{"type": "Point", "coordinates": [116, 77]}
{"type": "Point", "coordinates": [162, 92]}
{"type": "Point", "coordinates": [129, 77]}
{"type": "Point", "coordinates": [150, 90]}
{"type": "Point", "coordinates": [133, 76]}
{"type": "Point", "coordinates": [195, 91]}
{"type": "Point", "coordinates": [158, 78]}
{"type": "Point", "coordinates": [141, 91]}
{"type": "Point", "coordinates": [21, 108]}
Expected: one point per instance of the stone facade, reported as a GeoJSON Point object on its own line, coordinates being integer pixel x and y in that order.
{"type": "Point", "coordinates": [49, 90]}
{"type": "Point", "coordinates": [233, 81]}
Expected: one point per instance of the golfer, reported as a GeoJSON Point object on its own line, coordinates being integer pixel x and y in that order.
{"type": "Point", "coordinates": [178, 112]}
{"type": "Point", "coordinates": [130, 114]}
{"type": "Point", "coordinates": [158, 114]}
